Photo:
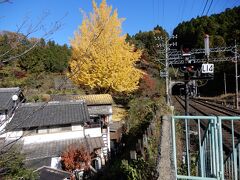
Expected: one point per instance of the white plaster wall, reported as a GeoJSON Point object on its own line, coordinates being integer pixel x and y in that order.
{"type": "Point", "coordinates": [53, 137]}
{"type": "Point", "coordinates": [77, 128]}
{"type": "Point", "coordinates": [13, 134]}
{"type": "Point", "coordinates": [93, 132]}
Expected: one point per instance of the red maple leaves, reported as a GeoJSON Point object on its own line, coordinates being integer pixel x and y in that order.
{"type": "Point", "coordinates": [76, 158]}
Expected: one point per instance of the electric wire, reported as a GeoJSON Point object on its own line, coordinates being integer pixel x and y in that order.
{"type": "Point", "coordinates": [191, 10]}
{"type": "Point", "coordinates": [183, 10]}
{"type": "Point", "coordinates": [153, 7]}
{"type": "Point", "coordinates": [209, 7]}
{"type": "Point", "coordinates": [179, 11]}
{"type": "Point", "coordinates": [158, 16]}
{"type": "Point", "coordinates": [163, 13]}
{"type": "Point", "coordinates": [235, 3]}
{"type": "Point", "coordinates": [204, 7]}
{"type": "Point", "coordinates": [214, 6]}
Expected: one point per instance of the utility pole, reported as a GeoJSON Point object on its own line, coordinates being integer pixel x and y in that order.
{"type": "Point", "coordinates": [165, 74]}
{"type": "Point", "coordinates": [236, 75]}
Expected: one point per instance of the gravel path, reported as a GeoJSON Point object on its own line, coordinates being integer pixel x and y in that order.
{"type": "Point", "coordinates": [164, 166]}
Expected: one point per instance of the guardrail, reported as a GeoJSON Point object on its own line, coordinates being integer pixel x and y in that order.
{"type": "Point", "coordinates": [206, 147]}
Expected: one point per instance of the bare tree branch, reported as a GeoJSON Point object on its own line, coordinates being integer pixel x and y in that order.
{"type": "Point", "coordinates": [30, 30]}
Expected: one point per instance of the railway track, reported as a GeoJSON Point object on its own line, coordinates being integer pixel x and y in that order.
{"type": "Point", "coordinates": [204, 108]}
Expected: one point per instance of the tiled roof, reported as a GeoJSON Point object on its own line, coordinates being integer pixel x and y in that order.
{"type": "Point", "coordinates": [99, 110]}
{"type": "Point", "coordinates": [47, 173]}
{"type": "Point", "coordinates": [6, 94]}
{"type": "Point", "coordinates": [96, 99]}
{"type": "Point", "coordinates": [56, 148]}
{"type": "Point", "coordinates": [93, 99]}
{"type": "Point", "coordinates": [36, 163]}
{"type": "Point", "coordinates": [49, 114]}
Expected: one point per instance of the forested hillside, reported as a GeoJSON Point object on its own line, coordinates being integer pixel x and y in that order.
{"type": "Point", "coordinates": [33, 69]}
{"type": "Point", "coordinates": [223, 29]}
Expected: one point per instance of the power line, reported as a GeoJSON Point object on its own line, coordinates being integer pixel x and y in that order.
{"type": "Point", "coordinates": [204, 7]}
{"type": "Point", "coordinates": [183, 9]}
{"type": "Point", "coordinates": [158, 16]}
{"type": "Point", "coordinates": [209, 7]}
{"type": "Point", "coordinates": [235, 3]}
{"type": "Point", "coordinates": [214, 6]}
{"type": "Point", "coordinates": [163, 12]}
{"type": "Point", "coordinates": [153, 7]}
{"type": "Point", "coordinates": [191, 10]}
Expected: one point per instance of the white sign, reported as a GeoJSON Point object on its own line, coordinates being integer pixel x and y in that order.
{"type": "Point", "coordinates": [207, 68]}
{"type": "Point", "coordinates": [163, 74]}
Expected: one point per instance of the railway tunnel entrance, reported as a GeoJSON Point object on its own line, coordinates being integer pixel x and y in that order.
{"type": "Point", "coordinates": [177, 89]}
{"type": "Point", "coordinates": [206, 147]}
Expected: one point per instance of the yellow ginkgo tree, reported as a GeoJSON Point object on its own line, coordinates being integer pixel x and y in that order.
{"type": "Point", "coordinates": [101, 59]}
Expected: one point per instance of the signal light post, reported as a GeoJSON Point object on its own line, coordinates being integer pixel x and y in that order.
{"type": "Point", "coordinates": [186, 80]}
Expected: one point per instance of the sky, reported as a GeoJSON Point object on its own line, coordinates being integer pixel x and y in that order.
{"type": "Point", "coordinates": [139, 15]}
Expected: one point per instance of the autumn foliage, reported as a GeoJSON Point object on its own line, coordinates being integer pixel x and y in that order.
{"type": "Point", "coordinates": [101, 58]}
{"type": "Point", "coordinates": [148, 85]}
{"type": "Point", "coordinates": [76, 158]}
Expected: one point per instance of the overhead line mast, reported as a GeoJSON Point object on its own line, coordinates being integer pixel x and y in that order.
{"type": "Point", "coordinates": [195, 65]}
{"type": "Point", "coordinates": [164, 42]}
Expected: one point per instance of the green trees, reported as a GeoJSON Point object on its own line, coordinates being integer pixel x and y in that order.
{"type": "Point", "coordinates": [223, 29]}
{"type": "Point", "coordinates": [44, 58]}
{"type": "Point", "coordinates": [12, 167]}
{"type": "Point", "coordinates": [49, 57]}
{"type": "Point", "coordinates": [147, 40]}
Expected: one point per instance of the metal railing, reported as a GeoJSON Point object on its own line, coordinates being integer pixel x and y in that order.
{"type": "Point", "coordinates": [206, 147]}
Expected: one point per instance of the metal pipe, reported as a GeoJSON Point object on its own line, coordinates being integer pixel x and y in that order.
{"type": "Point", "coordinates": [236, 75]}
{"type": "Point", "coordinates": [187, 148]}
{"type": "Point", "coordinates": [200, 149]}
{"type": "Point", "coordinates": [238, 159]}
{"type": "Point", "coordinates": [234, 159]}
{"type": "Point", "coordinates": [167, 72]}
{"type": "Point", "coordinates": [221, 149]}
{"type": "Point", "coordinates": [216, 147]}
{"type": "Point", "coordinates": [213, 147]}
{"type": "Point", "coordinates": [174, 145]}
